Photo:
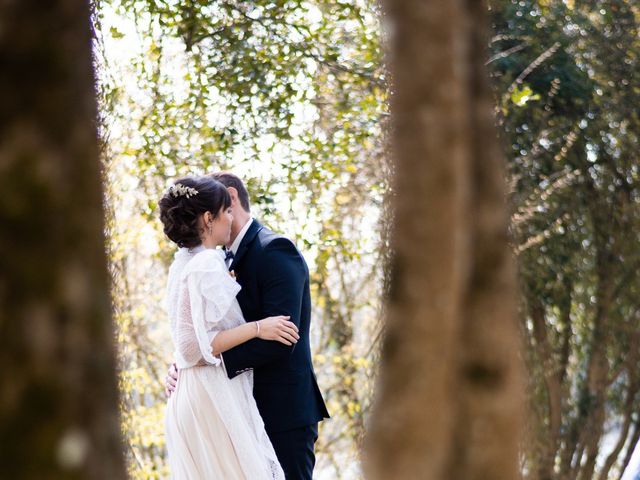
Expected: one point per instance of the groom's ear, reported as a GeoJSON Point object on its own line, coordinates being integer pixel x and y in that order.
{"type": "Point", "coordinates": [233, 193]}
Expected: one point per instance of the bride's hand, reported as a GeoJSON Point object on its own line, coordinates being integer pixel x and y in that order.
{"type": "Point", "coordinates": [171, 380]}
{"type": "Point", "coordinates": [279, 329]}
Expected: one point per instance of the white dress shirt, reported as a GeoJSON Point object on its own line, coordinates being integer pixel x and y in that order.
{"type": "Point", "coordinates": [236, 242]}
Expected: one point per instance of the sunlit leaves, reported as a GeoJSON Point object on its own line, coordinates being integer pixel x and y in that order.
{"type": "Point", "coordinates": [520, 96]}
{"type": "Point", "coordinates": [292, 96]}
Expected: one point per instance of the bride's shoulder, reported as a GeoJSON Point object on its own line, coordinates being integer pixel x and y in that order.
{"type": "Point", "coordinates": [209, 254]}
{"type": "Point", "coordinates": [207, 270]}
{"type": "Point", "coordinates": [204, 261]}
{"type": "Point", "coordinates": [180, 258]}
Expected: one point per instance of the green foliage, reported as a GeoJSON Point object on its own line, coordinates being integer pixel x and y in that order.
{"type": "Point", "coordinates": [291, 96]}
{"type": "Point", "coordinates": [573, 169]}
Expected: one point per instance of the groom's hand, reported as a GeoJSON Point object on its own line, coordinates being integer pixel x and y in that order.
{"type": "Point", "coordinates": [171, 380]}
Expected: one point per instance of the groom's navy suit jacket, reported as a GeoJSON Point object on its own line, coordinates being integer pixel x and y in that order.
{"type": "Point", "coordinates": [275, 281]}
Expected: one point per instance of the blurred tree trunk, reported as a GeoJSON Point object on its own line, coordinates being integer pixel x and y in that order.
{"type": "Point", "coordinates": [58, 393]}
{"type": "Point", "coordinates": [449, 394]}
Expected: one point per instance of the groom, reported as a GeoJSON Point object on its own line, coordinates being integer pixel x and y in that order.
{"type": "Point", "coordinates": [275, 281]}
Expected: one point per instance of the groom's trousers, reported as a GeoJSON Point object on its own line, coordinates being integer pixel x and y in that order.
{"type": "Point", "coordinates": [294, 449]}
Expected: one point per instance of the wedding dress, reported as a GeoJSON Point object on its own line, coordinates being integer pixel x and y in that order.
{"type": "Point", "coordinates": [213, 427]}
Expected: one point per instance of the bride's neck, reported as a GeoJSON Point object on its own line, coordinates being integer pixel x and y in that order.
{"type": "Point", "coordinates": [209, 243]}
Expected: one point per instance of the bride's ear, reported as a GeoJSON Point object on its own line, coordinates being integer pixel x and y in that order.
{"type": "Point", "coordinates": [207, 218]}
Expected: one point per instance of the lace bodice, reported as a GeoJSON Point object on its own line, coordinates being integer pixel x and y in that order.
{"type": "Point", "coordinates": [200, 302]}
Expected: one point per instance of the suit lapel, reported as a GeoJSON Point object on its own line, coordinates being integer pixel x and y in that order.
{"type": "Point", "coordinates": [251, 234]}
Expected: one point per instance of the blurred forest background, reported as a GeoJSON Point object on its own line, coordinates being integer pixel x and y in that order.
{"type": "Point", "coordinates": [293, 96]}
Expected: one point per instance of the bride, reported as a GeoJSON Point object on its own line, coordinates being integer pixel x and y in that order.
{"type": "Point", "coordinates": [213, 427]}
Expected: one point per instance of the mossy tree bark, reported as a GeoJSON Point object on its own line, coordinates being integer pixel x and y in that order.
{"type": "Point", "coordinates": [58, 392]}
{"type": "Point", "coordinates": [449, 394]}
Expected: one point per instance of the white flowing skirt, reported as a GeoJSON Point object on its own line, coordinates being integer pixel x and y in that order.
{"type": "Point", "coordinates": [214, 430]}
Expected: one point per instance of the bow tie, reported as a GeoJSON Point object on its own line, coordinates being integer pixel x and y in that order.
{"type": "Point", "coordinates": [228, 255]}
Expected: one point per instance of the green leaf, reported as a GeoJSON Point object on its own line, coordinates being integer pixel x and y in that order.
{"type": "Point", "coordinates": [520, 96]}
{"type": "Point", "coordinates": [115, 33]}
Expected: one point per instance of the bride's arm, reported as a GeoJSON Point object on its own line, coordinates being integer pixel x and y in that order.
{"type": "Point", "coordinates": [276, 328]}
{"type": "Point", "coordinates": [207, 296]}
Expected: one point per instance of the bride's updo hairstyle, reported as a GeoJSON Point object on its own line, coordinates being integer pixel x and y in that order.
{"type": "Point", "coordinates": [185, 201]}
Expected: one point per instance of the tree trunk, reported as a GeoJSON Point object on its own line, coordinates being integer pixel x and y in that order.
{"type": "Point", "coordinates": [449, 396]}
{"type": "Point", "coordinates": [58, 392]}
{"type": "Point", "coordinates": [552, 379]}
{"type": "Point", "coordinates": [595, 393]}
{"type": "Point", "coordinates": [631, 446]}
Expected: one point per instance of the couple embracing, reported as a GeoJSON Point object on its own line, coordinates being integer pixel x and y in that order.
{"type": "Point", "coordinates": [244, 402]}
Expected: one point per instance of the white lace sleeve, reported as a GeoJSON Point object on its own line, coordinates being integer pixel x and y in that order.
{"type": "Point", "coordinates": [184, 336]}
{"type": "Point", "coordinates": [208, 294]}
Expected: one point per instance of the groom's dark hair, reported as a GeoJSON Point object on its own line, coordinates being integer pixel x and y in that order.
{"type": "Point", "coordinates": [228, 179]}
